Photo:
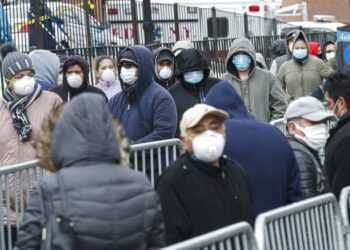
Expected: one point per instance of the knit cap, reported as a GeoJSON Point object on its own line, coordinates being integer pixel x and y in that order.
{"type": "Point", "coordinates": [13, 61]}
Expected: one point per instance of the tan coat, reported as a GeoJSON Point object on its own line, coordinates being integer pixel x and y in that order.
{"type": "Point", "coordinates": [11, 151]}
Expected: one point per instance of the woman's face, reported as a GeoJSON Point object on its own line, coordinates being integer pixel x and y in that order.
{"type": "Point", "coordinates": [105, 64]}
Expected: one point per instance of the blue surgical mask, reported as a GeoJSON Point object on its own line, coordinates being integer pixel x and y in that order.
{"type": "Point", "coordinates": [299, 54]}
{"type": "Point", "coordinates": [242, 62]}
{"type": "Point", "coordinates": [194, 77]}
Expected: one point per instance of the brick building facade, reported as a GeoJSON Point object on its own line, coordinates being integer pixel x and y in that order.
{"type": "Point", "coordinates": [338, 8]}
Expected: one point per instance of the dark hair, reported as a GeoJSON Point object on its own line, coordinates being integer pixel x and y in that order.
{"type": "Point", "coordinates": [337, 85]}
{"type": "Point", "coordinates": [99, 59]}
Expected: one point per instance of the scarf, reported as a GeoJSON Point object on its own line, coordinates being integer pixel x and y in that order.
{"type": "Point", "coordinates": [18, 109]}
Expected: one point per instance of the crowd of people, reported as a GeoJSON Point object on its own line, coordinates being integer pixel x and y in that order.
{"type": "Point", "coordinates": [234, 164]}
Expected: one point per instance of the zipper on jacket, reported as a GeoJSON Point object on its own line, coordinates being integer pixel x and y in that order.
{"type": "Point", "coordinates": [245, 95]}
{"type": "Point", "coordinates": [302, 81]}
{"type": "Point", "coordinates": [201, 95]}
{"type": "Point", "coordinates": [128, 107]}
{"type": "Point", "coordinates": [223, 175]}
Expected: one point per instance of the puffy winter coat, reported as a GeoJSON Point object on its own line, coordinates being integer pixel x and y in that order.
{"type": "Point", "coordinates": [11, 151]}
{"type": "Point", "coordinates": [312, 178]}
{"type": "Point", "coordinates": [111, 206]}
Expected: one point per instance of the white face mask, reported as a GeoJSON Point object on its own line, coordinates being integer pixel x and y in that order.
{"type": "Point", "coordinates": [74, 80]}
{"type": "Point", "coordinates": [330, 55]}
{"type": "Point", "coordinates": [108, 76]}
{"type": "Point", "coordinates": [315, 136]}
{"type": "Point", "coordinates": [24, 86]}
{"type": "Point", "coordinates": [208, 146]}
{"type": "Point", "coordinates": [128, 76]}
{"type": "Point", "coordinates": [165, 73]}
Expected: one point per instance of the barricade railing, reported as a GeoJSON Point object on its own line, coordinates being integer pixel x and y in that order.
{"type": "Point", "coordinates": [344, 204]}
{"type": "Point", "coordinates": [153, 157]}
{"type": "Point", "coordinates": [237, 236]}
{"type": "Point", "coordinates": [16, 183]}
{"type": "Point", "coordinates": [314, 223]}
{"type": "Point", "coordinates": [17, 180]}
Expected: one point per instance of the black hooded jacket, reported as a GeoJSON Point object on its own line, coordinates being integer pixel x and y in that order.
{"type": "Point", "coordinates": [165, 84]}
{"type": "Point", "coordinates": [65, 91]}
{"type": "Point", "coordinates": [279, 48]}
{"type": "Point", "coordinates": [111, 206]}
{"type": "Point", "coordinates": [186, 94]}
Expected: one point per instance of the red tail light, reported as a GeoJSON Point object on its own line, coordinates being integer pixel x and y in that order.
{"type": "Point", "coordinates": [254, 8]}
{"type": "Point", "coordinates": [113, 11]}
{"type": "Point", "coordinates": [24, 29]}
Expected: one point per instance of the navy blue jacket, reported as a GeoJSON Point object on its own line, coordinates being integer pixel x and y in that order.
{"type": "Point", "coordinates": [262, 149]}
{"type": "Point", "coordinates": [151, 114]}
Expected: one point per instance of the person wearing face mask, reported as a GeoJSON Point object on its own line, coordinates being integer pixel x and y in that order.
{"type": "Point", "coordinates": [164, 67]}
{"type": "Point", "coordinates": [22, 110]}
{"type": "Point", "coordinates": [280, 60]}
{"type": "Point", "coordinates": [261, 148]}
{"type": "Point", "coordinates": [194, 83]}
{"type": "Point", "coordinates": [302, 75]}
{"type": "Point", "coordinates": [106, 68]}
{"type": "Point", "coordinates": [75, 80]}
{"type": "Point", "coordinates": [306, 121]}
{"type": "Point", "coordinates": [260, 89]}
{"type": "Point", "coordinates": [337, 157]}
{"type": "Point", "coordinates": [145, 109]}
{"type": "Point", "coordinates": [203, 190]}
{"type": "Point", "coordinates": [328, 51]}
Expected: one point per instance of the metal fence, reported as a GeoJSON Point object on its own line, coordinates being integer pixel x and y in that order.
{"type": "Point", "coordinates": [237, 236]}
{"type": "Point", "coordinates": [315, 223]}
{"type": "Point", "coordinates": [344, 203]}
{"type": "Point", "coordinates": [48, 24]}
{"type": "Point", "coordinates": [17, 180]}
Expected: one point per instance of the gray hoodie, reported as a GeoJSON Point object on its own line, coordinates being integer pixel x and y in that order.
{"type": "Point", "coordinates": [261, 91]}
{"type": "Point", "coordinates": [46, 65]}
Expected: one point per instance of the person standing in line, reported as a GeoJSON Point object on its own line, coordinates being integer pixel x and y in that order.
{"type": "Point", "coordinates": [164, 67]}
{"type": "Point", "coordinates": [306, 120]}
{"type": "Point", "coordinates": [106, 70]}
{"type": "Point", "coordinates": [261, 148]}
{"type": "Point", "coordinates": [304, 74]}
{"type": "Point", "coordinates": [203, 190]}
{"type": "Point", "coordinates": [260, 90]}
{"type": "Point", "coordinates": [75, 80]}
{"type": "Point", "coordinates": [111, 206]}
{"type": "Point", "coordinates": [337, 158]}
{"type": "Point", "coordinates": [22, 110]}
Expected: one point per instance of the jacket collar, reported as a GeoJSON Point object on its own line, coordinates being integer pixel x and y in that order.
{"type": "Point", "coordinates": [342, 121]}
{"type": "Point", "coordinates": [205, 167]}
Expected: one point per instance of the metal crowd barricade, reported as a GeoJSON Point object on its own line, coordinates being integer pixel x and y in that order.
{"type": "Point", "coordinates": [18, 180]}
{"type": "Point", "coordinates": [238, 236]}
{"type": "Point", "coordinates": [344, 203]}
{"type": "Point", "coordinates": [16, 184]}
{"type": "Point", "coordinates": [314, 223]}
{"type": "Point", "coordinates": [153, 157]}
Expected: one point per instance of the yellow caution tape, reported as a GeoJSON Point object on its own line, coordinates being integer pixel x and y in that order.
{"type": "Point", "coordinates": [55, 13]}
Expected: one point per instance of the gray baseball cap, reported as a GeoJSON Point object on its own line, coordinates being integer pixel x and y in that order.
{"type": "Point", "coordinates": [309, 108]}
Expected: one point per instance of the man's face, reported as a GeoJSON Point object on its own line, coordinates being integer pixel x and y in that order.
{"type": "Point", "coordinates": [304, 123]}
{"type": "Point", "coordinates": [300, 44]}
{"type": "Point", "coordinates": [165, 63]}
{"type": "Point", "coordinates": [208, 122]}
{"type": "Point", "coordinates": [75, 69]}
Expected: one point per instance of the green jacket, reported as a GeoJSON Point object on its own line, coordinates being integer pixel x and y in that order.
{"type": "Point", "coordinates": [301, 79]}
{"type": "Point", "coordinates": [261, 92]}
